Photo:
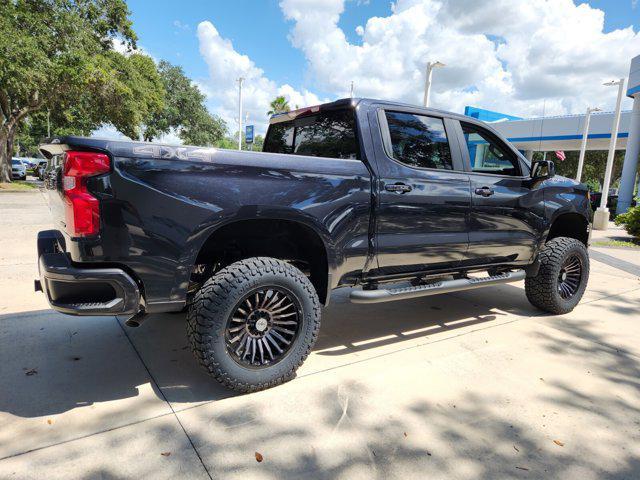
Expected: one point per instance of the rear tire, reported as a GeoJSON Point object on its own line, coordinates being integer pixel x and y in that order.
{"type": "Point", "coordinates": [562, 277]}
{"type": "Point", "coordinates": [244, 314]}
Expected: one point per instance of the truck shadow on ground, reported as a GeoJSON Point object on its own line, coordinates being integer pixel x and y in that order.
{"type": "Point", "coordinates": [350, 434]}
{"type": "Point", "coordinates": [52, 363]}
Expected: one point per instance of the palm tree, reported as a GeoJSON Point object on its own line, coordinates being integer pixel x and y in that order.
{"type": "Point", "coordinates": [279, 105]}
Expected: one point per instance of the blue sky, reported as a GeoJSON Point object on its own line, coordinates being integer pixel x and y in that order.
{"type": "Point", "coordinates": [516, 55]}
{"type": "Point", "coordinates": [257, 28]}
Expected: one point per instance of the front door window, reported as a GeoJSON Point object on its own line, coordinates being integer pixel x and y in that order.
{"type": "Point", "coordinates": [488, 154]}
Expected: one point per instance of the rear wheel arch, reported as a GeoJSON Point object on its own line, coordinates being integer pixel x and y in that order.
{"type": "Point", "coordinates": [283, 239]}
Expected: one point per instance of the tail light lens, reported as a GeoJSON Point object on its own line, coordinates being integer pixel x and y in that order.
{"type": "Point", "coordinates": [82, 210]}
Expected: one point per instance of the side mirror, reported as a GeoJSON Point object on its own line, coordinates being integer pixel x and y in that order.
{"type": "Point", "coordinates": [543, 169]}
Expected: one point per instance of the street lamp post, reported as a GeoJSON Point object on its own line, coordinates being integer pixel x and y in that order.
{"type": "Point", "coordinates": [427, 82]}
{"type": "Point", "coordinates": [601, 216]}
{"type": "Point", "coordinates": [240, 80]}
{"type": "Point", "coordinates": [583, 146]}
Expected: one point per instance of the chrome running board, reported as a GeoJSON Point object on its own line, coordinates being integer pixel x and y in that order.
{"type": "Point", "coordinates": [445, 286]}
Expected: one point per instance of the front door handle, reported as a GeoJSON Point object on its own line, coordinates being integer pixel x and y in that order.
{"type": "Point", "coordinates": [484, 191]}
{"type": "Point", "coordinates": [397, 187]}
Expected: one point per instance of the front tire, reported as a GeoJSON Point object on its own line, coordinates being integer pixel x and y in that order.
{"type": "Point", "coordinates": [562, 277]}
{"type": "Point", "coordinates": [254, 323]}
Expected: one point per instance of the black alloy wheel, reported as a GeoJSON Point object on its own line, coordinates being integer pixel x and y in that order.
{"type": "Point", "coordinates": [263, 327]}
{"type": "Point", "coordinates": [569, 277]}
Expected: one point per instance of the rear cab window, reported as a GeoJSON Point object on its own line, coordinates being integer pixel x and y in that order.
{"type": "Point", "coordinates": [329, 134]}
{"type": "Point", "coordinates": [418, 141]}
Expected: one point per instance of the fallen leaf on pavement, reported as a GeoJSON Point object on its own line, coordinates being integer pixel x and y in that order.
{"type": "Point", "coordinates": [516, 448]}
{"type": "Point", "coordinates": [165, 454]}
{"type": "Point", "coordinates": [31, 371]}
{"type": "Point", "coordinates": [259, 457]}
{"type": "Point", "coordinates": [559, 443]}
{"type": "Point", "coordinates": [405, 434]}
{"type": "Point", "coordinates": [49, 421]}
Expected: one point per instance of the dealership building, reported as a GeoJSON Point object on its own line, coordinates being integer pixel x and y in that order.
{"type": "Point", "coordinates": [566, 133]}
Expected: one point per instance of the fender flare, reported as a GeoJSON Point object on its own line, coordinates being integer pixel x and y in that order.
{"type": "Point", "coordinates": [209, 227]}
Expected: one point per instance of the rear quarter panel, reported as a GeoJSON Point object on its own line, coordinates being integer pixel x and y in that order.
{"type": "Point", "coordinates": [161, 204]}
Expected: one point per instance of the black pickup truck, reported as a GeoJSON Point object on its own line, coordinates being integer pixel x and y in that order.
{"type": "Point", "coordinates": [394, 200]}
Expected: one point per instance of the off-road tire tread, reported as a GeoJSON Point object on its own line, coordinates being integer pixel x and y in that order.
{"type": "Point", "coordinates": [541, 290]}
{"type": "Point", "coordinates": [203, 317]}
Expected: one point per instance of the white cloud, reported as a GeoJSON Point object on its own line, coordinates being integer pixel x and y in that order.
{"type": "Point", "coordinates": [181, 26]}
{"type": "Point", "coordinates": [109, 132]}
{"type": "Point", "coordinates": [226, 65]}
{"type": "Point", "coordinates": [507, 55]}
{"type": "Point", "coordinates": [121, 46]}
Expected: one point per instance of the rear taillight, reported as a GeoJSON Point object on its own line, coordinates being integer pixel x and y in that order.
{"type": "Point", "coordinates": [82, 210]}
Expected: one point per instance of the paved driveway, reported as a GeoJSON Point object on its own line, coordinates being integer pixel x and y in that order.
{"type": "Point", "coordinates": [476, 384]}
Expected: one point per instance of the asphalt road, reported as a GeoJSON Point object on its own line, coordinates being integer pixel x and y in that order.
{"type": "Point", "coordinates": [476, 384]}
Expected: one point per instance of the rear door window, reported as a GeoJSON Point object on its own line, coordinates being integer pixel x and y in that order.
{"type": "Point", "coordinates": [326, 134]}
{"type": "Point", "coordinates": [419, 141]}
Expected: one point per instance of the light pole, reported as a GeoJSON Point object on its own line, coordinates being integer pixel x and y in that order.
{"type": "Point", "coordinates": [240, 80]}
{"type": "Point", "coordinates": [583, 146]}
{"type": "Point", "coordinates": [427, 82]}
{"type": "Point", "coordinates": [601, 216]}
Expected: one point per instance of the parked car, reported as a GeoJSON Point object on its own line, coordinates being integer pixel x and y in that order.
{"type": "Point", "coordinates": [356, 193]}
{"type": "Point", "coordinates": [612, 200]}
{"type": "Point", "coordinates": [50, 171]}
{"type": "Point", "coordinates": [18, 169]}
{"type": "Point", "coordinates": [41, 166]}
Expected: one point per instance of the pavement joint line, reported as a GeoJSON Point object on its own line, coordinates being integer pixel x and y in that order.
{"type": "Point", "coordinates": [386, 354]}
{"type": "Point", "coordinates": [614, 262]}
{"type": "Point", "coordinates": [164, 397]}
{"type": "Point", "coordinates": [610, 296]}
{"type": "Point", "coordinates": [174, 412]}
{"type": "Point", "coordinates": [82, 437]}
{"type": "Point", "coordinates": [355, 362]}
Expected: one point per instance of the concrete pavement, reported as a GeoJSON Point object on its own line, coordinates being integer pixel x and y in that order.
{"type": "Point", "coordinates": [475, 384]}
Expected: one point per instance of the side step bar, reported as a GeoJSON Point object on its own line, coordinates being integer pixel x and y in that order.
{"type": "Point", "coordinates": [445, 286]}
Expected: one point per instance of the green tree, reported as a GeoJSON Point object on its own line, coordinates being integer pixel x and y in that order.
{"type": "Point", "coordinates": [231, 142]}
{"type": "Point", "coordinates": [184, 111]}
{"type": "Point", "coordinates": [279, 105]}
{"type": "Point", "coordinates": [595, 162]}
{"type": "Point", "coordinates": [58, 55]}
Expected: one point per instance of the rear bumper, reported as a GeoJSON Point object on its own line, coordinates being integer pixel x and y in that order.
{"type": "Point", "coordinates": [82, 291]}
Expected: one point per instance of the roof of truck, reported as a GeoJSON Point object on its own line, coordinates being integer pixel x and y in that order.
{"type": "Point", "coordinates": [353, 103]}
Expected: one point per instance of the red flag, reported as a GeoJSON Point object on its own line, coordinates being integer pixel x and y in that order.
{"type": "Point", "coordinates": [560, 155]}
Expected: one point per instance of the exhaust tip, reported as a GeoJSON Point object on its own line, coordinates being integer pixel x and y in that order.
{"type": "Point", "coordinates": [136, 320]}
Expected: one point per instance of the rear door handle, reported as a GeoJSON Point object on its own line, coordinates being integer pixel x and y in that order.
{"type": "Point", "coordinates": [397, 187]}
{"type": "Point", "coordinates": [484, 191]}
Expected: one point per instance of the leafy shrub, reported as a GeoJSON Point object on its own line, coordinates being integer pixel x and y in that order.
{"type": "Point", "coordinates": [630, 221]}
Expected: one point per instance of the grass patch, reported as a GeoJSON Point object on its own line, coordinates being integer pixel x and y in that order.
{"type": "Point", "coordinates": [616, 243]}
{"type": "Point", "coordinates": [17, 186]}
